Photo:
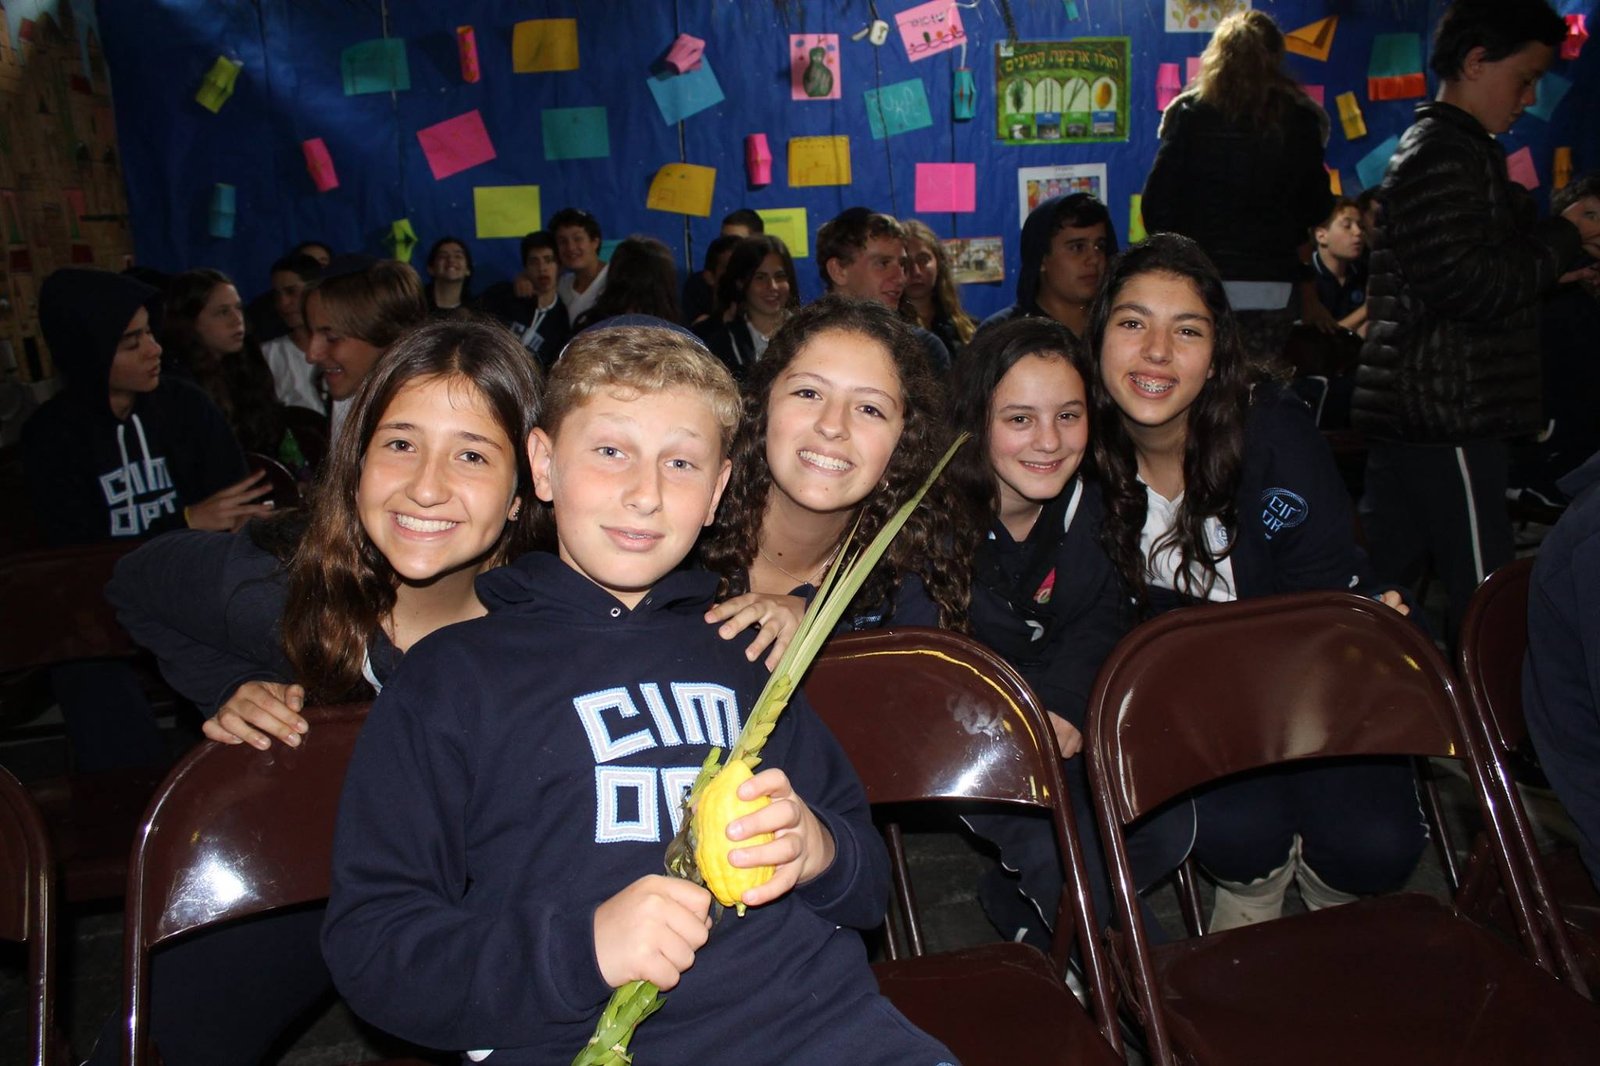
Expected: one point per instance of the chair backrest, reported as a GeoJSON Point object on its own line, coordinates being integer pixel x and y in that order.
{"type": "Point", "coordinates": [1205, 692]}
{"type": "Point", "coordinates": [53, 606]}
{"type": "Point", "coordinates": [927, 714]}
{"type": "Point", "coordinates": [232, 832]}
{"type": "Point", "coordinates": [27, 903]}
{"type": "Point", "coordinates": [1494, 639]}
{"type": "Point", "coordinates": [285, 489]}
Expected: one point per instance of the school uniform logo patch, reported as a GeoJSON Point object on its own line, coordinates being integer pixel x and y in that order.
{"type": "Point", "coordinates": [1282, 509]}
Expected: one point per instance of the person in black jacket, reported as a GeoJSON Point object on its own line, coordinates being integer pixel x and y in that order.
{"type": "Point", "coordinates": [755, 295]}
{"type": "Point", "coordinates": [529, 304]}
{"type": "Point", "coordinates": [1044, 595]}
{"type": "Point", "coordinates": [1450, 367]}
{"type": "Point", "coordinates": [1217, 490]}
{"type": "Point", "coordinates": [121, 453]}
{"type": "Point", "coordinates": [1067, 242]}
{"type": "Point", "coordinates": [1240, 171]}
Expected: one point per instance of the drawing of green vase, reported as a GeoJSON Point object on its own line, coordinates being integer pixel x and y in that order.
{"type": "Point", "coordinates": [818, 79]}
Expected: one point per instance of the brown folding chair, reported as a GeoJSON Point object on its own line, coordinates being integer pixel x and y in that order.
{"type": "Point", "coordinates": [1494, 639]}
{"type": "Point", "coordinates": [1203, 693]}
{"type": "Point", "coordinates": [27, 910]}
{"type": "Point", "coordinates": [929, 715]}
{"type": "Point", "coordinates": [232, 832]}
{"type": "Point", "coordinates": [53, 610]}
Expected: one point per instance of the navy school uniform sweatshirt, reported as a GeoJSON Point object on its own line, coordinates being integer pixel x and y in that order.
{"type": "Point", "coordinates": [522, 768]}
{"type": "Point", "coordinates": [1052, 606]}
{"type": "Point", "coordinates": [93, 476]}
{"type": "Point", "coordinates": [209, 606]}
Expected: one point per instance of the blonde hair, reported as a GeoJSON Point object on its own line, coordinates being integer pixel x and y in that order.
{"type": "Point", "coordinates": [1241, 70]}
{"type": "Point", "coordinates": [375, 305]}
{"type": "Point", "coordinates": [642, 360]}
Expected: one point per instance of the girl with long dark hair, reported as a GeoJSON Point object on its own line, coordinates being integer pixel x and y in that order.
{"type": "Point", "coordinates": [756, 295]}
{"type": "Point", "coordinates": [1218, 487]}
{"type": "Point", "coordinates": [641, 279]}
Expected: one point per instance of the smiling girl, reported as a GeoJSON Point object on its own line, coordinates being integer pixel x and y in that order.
{"type": "Point", "coordinates": [422, 495]}
{"type": "Point", "coordinates": [842, 422]}
{"type": "Point", "coordinates": [756, 295]}
{"type": "Point", "coordinates": [1218, 489]}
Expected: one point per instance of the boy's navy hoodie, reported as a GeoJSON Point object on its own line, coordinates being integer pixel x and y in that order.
{"type": "Point", "coordinates": [92, 476]}
{"type": "Point", "coordinates": [1561, 674]}
{"type": "Point", "coordinates": [522, 768]}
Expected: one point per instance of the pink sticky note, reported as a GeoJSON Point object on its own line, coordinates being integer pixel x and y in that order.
{"type": "Point", "coordinates": [1191, 70]}
{"type": "Point", "coordinates": [1166, 85]}
{"type": "Point", "coordinates": [1519, 168]}
{"type": "Point", "coordinates": [946, 187]}
{"type": "Point", "coordinates": [456, 144]}
{"type": "Point", "coordinates": [467, 45]}
{"type": "Point", "coordinates": [320, 164]}
{"type": "Point", "coordinates": [930, 28]}
{"type": "Point", "coordinates": [685, 53]}
{"type": "Point", "coordinates": [1317, 93]}
{"type": "Point", "coordinates": [1577, 34]}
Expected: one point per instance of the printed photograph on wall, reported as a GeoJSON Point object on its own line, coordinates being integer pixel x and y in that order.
{"type": "Point", "coordinates": [1035, 185]}
{"type": "Point", "coordinates": [976, 259]}
{"type": "Point", "coordinates": [1200, 16]}
{"type": "Point", "coordinates": [1062, 92]}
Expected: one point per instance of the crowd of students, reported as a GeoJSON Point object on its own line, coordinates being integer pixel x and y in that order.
{"type": "Point", "coordinates": [561, 529]}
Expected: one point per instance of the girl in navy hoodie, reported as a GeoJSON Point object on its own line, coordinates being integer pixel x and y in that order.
{"type": "Point", "coordinates": [1217, 490]}
{"type": "Point", "coordinates": [1044, 594]}
{"type": "Point", "coordinates": [422, 495]}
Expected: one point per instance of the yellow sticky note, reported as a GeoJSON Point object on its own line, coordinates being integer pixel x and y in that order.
{"type": "Point", "coordinates": [1561, 172]}
{"type": "Point", "coordinates": [1350, 116]}
{"type": "Point", "coordinates": [819, 161]}
{"type": "Point", "coordinates": [789, 225]}
{"type": "Point", "coordinates": [683, 189]}
{"type": "Point", "coordinates": [506, 210]}
{"type": "Point", "coordinates": [542, 45]}
{"type": "Point", "coordinates": [1136, 231]}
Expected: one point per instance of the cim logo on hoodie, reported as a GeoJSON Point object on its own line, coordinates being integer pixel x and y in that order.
{"type": "Point", "coordinates": [131, 517]}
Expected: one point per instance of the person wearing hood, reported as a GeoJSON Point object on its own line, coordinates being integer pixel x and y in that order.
{"type": "Point", "coordinates": [121, 452]}
{"type": "Point", "coordinates": [1066, 244]}
{"type": "Point", "coordinates": [1561, 673]}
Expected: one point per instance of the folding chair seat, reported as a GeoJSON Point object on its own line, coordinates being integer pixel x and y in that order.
{"type": "Point", "coordinates": [232, 832]}
{"type": "Point", "coordinates": [931, 716]}
{"type": "Point", "coordinates": [1494, 640]}
{"type": "Point", "coordinates": [1207, 692]}
{"type": "Point", "coordinates": [27, 911]}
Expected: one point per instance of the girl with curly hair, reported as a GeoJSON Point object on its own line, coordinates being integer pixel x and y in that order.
{"type": "Point", "coordinates": [1218, 487]}
{"type": "Point", "coordinates": [843, 420]}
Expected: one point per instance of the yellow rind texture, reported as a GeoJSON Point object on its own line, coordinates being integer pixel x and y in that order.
{"type": "Point", "coordinates": [719, 806]}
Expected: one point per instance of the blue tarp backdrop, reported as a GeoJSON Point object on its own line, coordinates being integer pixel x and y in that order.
{"type": "Point", "coordinates": [290, 90]}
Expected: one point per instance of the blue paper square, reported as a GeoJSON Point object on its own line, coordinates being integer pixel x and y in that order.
{"type": "Point", "coordinates": [1550, 92]}
{"type": "Point", "coordinates": [1371, 166]}
{"type": "Point", "coordinates": [681, 95]}
{"type": "Point", "coordinates": [375, 66]}
{"type": "Point", "coordinates": [575, 133]}
{"type": "Point", "coordinates": [897, 108]}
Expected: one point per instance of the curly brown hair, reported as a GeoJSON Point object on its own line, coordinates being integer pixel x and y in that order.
{"type": "Point", "coordinates": [925, 546]}
{"type": "Point", "coordinates": [341, 587]}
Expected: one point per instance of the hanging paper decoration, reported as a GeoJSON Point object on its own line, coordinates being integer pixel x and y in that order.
{"type": "Point", "coordinates": [1073, 13]}
{"type": "Point", "coordinates": [320, 164]}
{"type": "Point", "coordinates": [685, 53]}
{"type": "Point", "coordinates": [1577, 34]}
{"type": "Point", "coordinates": [223, 210]}
{"type": "Point", "coordinates": [1395, 70]}
{"type": "Point", "coordinates": [1350, 116]}
{"type": "Point", "coordinates": [402, 239]}
{"type": "Point", "coordinates": [218, 83]}
{"type": "Point", "coordinates": [964, 96]}
{"type": "Point", "coordinates": [467, 45]}
{"type": "Point", "coordinates": [1168, 85]}
{"type": "Point", "coordinates": [1314, 41]}
{"type": "Point", "coordinates": [1561, 171]}
{"type": "Point", "coordinates": [758, 159]}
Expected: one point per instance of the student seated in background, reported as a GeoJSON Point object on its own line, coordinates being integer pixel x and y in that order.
{"type": "Point", "coordinates": [449, 287]}
{"type": "Point", "coordinates": [537, 317]}
{"type": "Point", "coordinates": [122, 453]}
{"type": "Point", "coordinates": [862, 254]}
{"type": "Point", "coordinates": [700, 288]}
{"type": "Point", "coordinates": [756, 295]}
{"type": "Point", "coordinates": [578, 244]}
{"type": "Point", "coordinates": [743, 223]}
{"type": "Point", "coordinates": [931, 295]}
{"type": "Point", "coordinates": [1339, 267]}
{"type": "Point", "coordinates": [293, 376]}
{"type": "Point", "coordinates": [641, 279]}
{"type": "Point", "coordinates": [1066, 244]}
{"type": "Point", "coordinates": [500, 839]}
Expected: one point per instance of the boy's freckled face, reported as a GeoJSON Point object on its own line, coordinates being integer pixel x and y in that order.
{"type": "Point", "coordinates": [633, 479]}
